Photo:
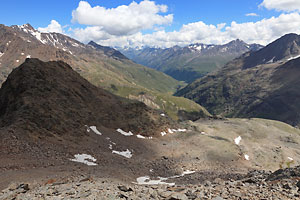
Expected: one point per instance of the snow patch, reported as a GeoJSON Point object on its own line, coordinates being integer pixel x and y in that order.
{"type": "Point", "coordinates": [83, 158]}
{"type": "Point", "coordinates": [75, 44]}
{"type": "Point", "coordinates": [126, 154]}
{"type": "Point", "coordinates": [163, 133]}
{"type": "Point", "coordinates": [37, 35]}
{"type": "Point", "coordinates": [247, 157]}
{"type": "Point", "coordinates": [28, 56]}
{"type": "Point", "coordinates": [292, 58]}
{"type": "Point", "coordinates": [140, 136]}
{"type": "Point", "coordinates": [17, 61]}
{"type": "Point", "coordinates": [203, 133]}
{"type": "Point", "coordinates": [1, 54]}
{"type": "Point", "coordinates": [271, 61]}
{"type": "Point", "coordinates": [22, 54]}
{"type": "Point", "coordinates": [170, 131]}
{"type": "Point", "coordinates": [94, 129]}
{"type": "Point", "coordinates": [237, 140]}
{"type": "Point", "coordinates": [224, 49]}
{"type": "Point", "coordinates": [176, 130]}
{"type": "Point", "coordinates": [124, 133]}
{"type": "Point", "coordinates": [163, 114]}
{"type": "Point", "coordinates": [291, 159]}
{"type": "Point", "coordinates": [145, 180]}
{"type": "Point", "coordinates": [187, 172]}
{"type": "Point", "coordinates": [143, 137]}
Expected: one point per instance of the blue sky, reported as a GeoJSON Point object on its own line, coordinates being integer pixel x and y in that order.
{"type": "Point", "coordinates": [174, 21]}
{"type": "Point", "coordinates": [40, 13]}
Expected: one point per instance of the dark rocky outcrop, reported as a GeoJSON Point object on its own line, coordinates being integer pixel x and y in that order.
{"type": "Point", "coordinates": [49, 97]}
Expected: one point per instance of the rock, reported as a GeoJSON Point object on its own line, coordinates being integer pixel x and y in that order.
{"type": "Point", "coordinates": [13, 186]}
{"type": "Point", "coordinates": [218, 198]}
{"type": "Point", "coordinates": [124, 188]}
{"type": "Point", "coordinates": [191, 195]}
{"type": "Point", "coordinates": [178, 196]}
{"type": "Point", "coordinates": [176, 189]}
{"type": "Point", "coordinates": [122, 196]}
{"type": "Point", "coordinates": [287, 186]}
{"type": "Point", "coordinates": [250, 180]}
{"type": "Point", "coordinates": [298, 185]}
{"type": "Point", "coordinates": [164, 194]}
{"type": "Point", "coordinates": [24, 186]}
{"type": "Point", "coordinates": [219, 181]}
{"type": "Point", "coordinates": [207, 183]}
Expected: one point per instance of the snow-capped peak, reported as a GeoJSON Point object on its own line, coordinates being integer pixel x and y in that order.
{"type": "Point", "coordinates": [27, 28]}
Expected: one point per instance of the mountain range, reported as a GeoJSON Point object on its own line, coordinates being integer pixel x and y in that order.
{"type": "Point", "coordinates": [102, 66]}
{"type": "Point", "coordinates": [262, 84]}
{"type": "Point", "coordinates": [190, 62]}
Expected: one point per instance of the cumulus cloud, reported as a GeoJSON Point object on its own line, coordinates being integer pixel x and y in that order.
{"type": "Point", "coordinates": [281, 5]}
{"type": "Point", "coordinates": [54, 26]}
{"type": "Point", "coordinates": [122, 20]}
{"type": "Point", "coordinates": [251, 15]}
{"type": "Point", "coordinates": [262, 32]}
{"type": "Point", "coordinates": [266, 30]}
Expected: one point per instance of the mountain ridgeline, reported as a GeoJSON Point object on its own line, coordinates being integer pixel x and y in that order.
{"type": "Point", "coordinates": [262, 84]}
{"type": "Point", "coordinates": [100, 65]}
{"type": "Point", "coordinates": [190, 62]}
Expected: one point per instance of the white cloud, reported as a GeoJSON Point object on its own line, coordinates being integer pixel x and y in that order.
{"type": "Point", "coordinates": [123, 20]}
{"type": "Point", "coordinates": [251, 15]}
{"type": "Point", "coordinates": [281, 5]}
{"type": "Point", "coordinates": [266, 30]}
{"type": "Point", "coordinates": [54, 26]}
{"type": "Point", "coordinates": [262, 32]}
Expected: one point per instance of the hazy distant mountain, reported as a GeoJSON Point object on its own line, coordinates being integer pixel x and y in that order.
{"type": "Point", "coordinates": [190, 62]}
{"type": "Point", "coordinates": [262, 84]}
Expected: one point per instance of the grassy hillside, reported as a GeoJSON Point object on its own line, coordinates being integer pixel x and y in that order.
{"type": "Point", "coordinates": [178, 108]}
{"type": "Point", "coordinates": [128, 74]}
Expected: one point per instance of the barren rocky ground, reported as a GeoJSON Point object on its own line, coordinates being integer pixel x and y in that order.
{"type": "Point", "coordinates": [282, 184]}
{"type": "Point", "coordinates": [215, 166]}
{"type": "Point", "coordinates": [63, 138]}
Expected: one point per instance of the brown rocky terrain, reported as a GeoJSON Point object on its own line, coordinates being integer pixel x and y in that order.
{"type": "Point", "coordinates": [62, 137]}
